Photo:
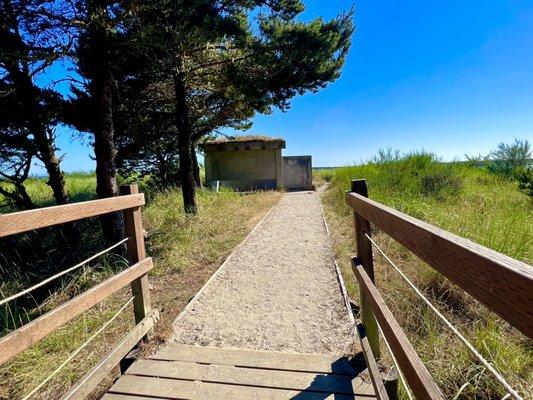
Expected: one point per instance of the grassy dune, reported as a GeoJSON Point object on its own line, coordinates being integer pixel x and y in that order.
{"type": "Point", "coordinates": [186, 251]}
{"type": "Point", "coordinates": [469, 202]}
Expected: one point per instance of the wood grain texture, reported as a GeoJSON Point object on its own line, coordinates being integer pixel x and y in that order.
{"type": "Point", "coordinates": [133, 230]}
{"type": "Point", "coordinates": [112, 396]}
{"type": "Point", "coordinates": [246, 376]}
{"type": "Point", "coordinates": [319, 363]}
{"type": "Point", "coordinates": [373, 370]}
{"type": "Point", "coordinates": [501, 283]}
{"type": "Point", "coordinates": [31, 333]}
{"type": "Point", "coordinates": [364, 252]}
{"type": "Point", "coordinates": [198, 390]}
{"type": "Point", "coordinates": [415, 372]}
{"type": "Point", "coordinates": [181, 371]}
{"type": "Point", "coordinates": [23, 221]}
{"type": "Point", "coordinates": [92, 378]}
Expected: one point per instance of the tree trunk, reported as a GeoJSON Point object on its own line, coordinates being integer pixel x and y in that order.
{"type": "Point", "coordinates": [184, 145]}
{"type": "Point", "coordinates": [104, 151]}
{"type": "Point", "coordinates": [24, 199]}
{"type": "Point", "coordinates": [162, 170]}
{"type": "Point", "coordinates": [20, 197]}
{"type": "Point", "coordinates": [101, 90]}
{"type": "Point", "coordinates": [46, 151]}
{"type": "Point", "coordinates": [38, 121]}
{"type": "Point", "coordinates": [196, 168]}
{"type": "Point", "coordinates": [38, 126]}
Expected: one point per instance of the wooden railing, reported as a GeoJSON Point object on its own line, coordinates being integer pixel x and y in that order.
{"type": "Point", "coordinates": [129, 203]}
{"type": "Point", "coordinates": [502, 284]}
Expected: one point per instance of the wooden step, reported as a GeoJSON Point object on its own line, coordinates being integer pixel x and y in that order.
{"type": "Point", "coordinates": [191, 372]}
{"type": "Point", "coordinates": [325, 363]}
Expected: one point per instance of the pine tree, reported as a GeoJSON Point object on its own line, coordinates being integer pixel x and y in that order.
{"type": "Point", "coordinates": [227, 60]}
{"type": "Point", "coordinates": [29, 44]}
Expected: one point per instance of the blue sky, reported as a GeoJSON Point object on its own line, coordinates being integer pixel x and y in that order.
{"type": "Point", "coordinates": [450, 77]}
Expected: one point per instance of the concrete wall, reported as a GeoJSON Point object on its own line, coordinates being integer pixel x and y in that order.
{"type": "Point", "coordinates": [244, 169]}
{"type": "Point", "coordinates": [297, 173]}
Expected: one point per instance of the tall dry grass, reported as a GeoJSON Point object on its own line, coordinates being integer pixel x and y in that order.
{"type": "Point", "coordinates": [186, 251]}
{"type": "Point", "coordinates": [469, 202]}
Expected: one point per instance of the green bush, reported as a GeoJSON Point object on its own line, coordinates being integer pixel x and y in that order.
{"type": "Point", "coordinates": [440, 184]}
{"type": "Point", "coordinates": [524, 176]}
{"type": "Point", "coordinates": [417, 174]}
{"type": "Point", "coordinates": [327, 175]}
{"type": "Point", "coordinates": [506, 159]}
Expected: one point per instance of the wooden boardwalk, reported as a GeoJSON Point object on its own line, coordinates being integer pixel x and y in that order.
{"type": "Point", "coordinates": [186, 371]}
{"type": "Point", "coordinates": [180, 371]}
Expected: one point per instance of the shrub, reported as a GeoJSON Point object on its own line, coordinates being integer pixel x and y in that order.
{"type": "Point", "coordinates": [387, 155]}
{"type": "Point", "coordinates": [440, 184]}
{"type": "Point", "coordinates": [524, 176]}
{"type": "Point", "coordinates": [327, 175]}
{"type": "Point", "coordinates": [508, 158]}
{"type": "Point", "coordinates": [476, 161]}
{"type": "Point", "coordinates": [418, 174]}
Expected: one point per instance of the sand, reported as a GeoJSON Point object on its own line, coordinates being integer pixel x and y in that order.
{"type": "Point", "coordinates": [278, 291]}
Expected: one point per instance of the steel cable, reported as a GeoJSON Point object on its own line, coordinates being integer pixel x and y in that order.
{"type": "Point", "coordinates": [486, 364]}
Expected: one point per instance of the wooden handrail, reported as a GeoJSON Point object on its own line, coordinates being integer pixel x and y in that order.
{"type": "Point", "coordinates": [83, 388]}
{"type": "Point", "coordinates": [414, 370]}
{"type": "Point", "coordinates": [24, 221]}
{"type": "Point", "coordinates": [136, 275]}
{"type": "Point", "coordinates": [29, 334]}
{"type": "Point", "coordinates": [501, 283]}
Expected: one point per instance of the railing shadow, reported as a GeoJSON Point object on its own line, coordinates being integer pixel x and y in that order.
{"type": "Point", "coordinates": [338, 382]}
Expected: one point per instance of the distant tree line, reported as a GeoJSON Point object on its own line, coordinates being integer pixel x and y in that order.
{"type": "Point", "coordinates": [150, 81]}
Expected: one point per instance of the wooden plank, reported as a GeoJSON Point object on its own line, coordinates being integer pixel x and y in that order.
{"type": "Point", "coordinates": [188, 371]}
{"type": "Point", "coordinates": [23, 221]}
{"type": "Point", "coordinates": [92, 378]}
{"type": "Point", "coordinates": [415, 372]}
{"type": "Point", "coordinates": [182, 389]}
{"type": "Point", "coordinates": [31, 333]}
{"type": "Point", "coordinates": [232, 392]}
{"type": "Point", "coordinates": [133, 229]}
{"type": "Point", "coordinates": [112, 396]}
{"type": "Point", "coordinates": [364, 252]}
{"type": "Point", "coordinates": [373, 370]}
{"type": "Point", "coordinates": [257, 359]}
{"type": "Point", "coordinates": [143, 386]}
{"type": "Point", "coordinates": [501, 283]}
{"type": "Point", "coordinates": [330, 383]}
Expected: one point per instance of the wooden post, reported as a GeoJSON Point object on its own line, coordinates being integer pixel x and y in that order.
{"type": "Point", "coordinates": [390, 380]}
{"type": "Point", "coordinates": [133, 230]}
{"type": "Point", "coordinates": [364, 253]}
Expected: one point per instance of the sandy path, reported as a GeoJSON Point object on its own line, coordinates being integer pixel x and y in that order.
{"type": "Point", "coordinates": [279, 290]}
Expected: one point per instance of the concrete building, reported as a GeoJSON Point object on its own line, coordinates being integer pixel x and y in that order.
{"type": "Point", "coordinates": [297, 173]}
{"type": "Point", "coordinates": [254, 162]}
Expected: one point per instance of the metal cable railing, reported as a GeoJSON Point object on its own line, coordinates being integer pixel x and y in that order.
{"type": "Point", "coordinates": [58, 275]}
{"type": "Point", "coordinates": [400, 373]}
{"type": "Point", "coordinates": [486, 364]}
{"type": "Point", "coordinates": [77, 351]}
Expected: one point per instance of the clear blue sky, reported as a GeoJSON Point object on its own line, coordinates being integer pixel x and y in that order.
{"type": "Point", "coordinates": [451, 77]}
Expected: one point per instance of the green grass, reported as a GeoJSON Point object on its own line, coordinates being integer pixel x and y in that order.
{"type": "Point", "coordinates": [186, 251]}
{"type": "Point", "coordinates": [464, 200]}
{"type": "Point", "coordinates": [80, 186]}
